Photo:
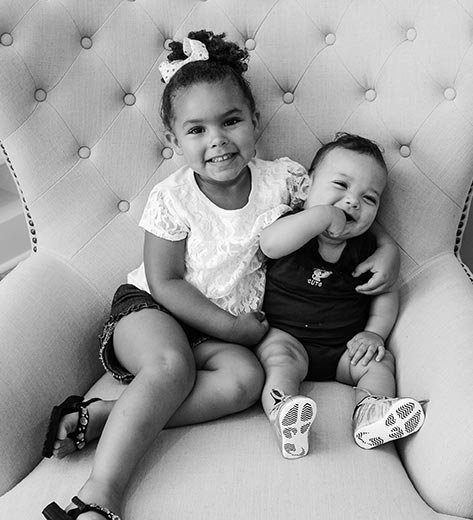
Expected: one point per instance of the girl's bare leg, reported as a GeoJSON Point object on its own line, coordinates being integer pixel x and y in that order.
{"type": "Point", "coordinates": [229, 379]}
{"type": "Point", "coordinates": [151, 345]}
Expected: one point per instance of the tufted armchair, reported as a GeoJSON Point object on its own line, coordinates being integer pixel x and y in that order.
{"type": "Point", "coordinates": [80, 130]}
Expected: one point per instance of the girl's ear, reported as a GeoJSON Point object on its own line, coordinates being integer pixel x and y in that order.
{"type": "Point", "coordinates": [173, 141]}
{"type": "Point", "coordinates": [256, 120]}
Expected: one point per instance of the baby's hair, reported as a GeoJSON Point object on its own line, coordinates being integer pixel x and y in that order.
{"type": "Point", "coordinates": [226, 59]}
{"type": "Point", "coordinates": [352, 142]}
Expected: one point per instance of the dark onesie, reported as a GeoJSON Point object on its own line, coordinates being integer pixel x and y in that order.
{"type": "Point", "coordinates": [315, 301]}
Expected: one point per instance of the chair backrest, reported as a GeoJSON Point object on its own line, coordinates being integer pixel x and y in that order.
{"type": "Point", "coordinates": [80, 93]}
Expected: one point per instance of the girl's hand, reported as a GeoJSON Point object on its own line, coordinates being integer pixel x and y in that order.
{"type": "Point", "coordinates": [384, 264]}
{"type": "Point", "coordinates": [249, 328]}
{"type": "Point", "coordinates": [365, 346]}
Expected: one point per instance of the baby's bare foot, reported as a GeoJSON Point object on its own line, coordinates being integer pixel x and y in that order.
{"type": "Point", "coordinates": [98, 412]}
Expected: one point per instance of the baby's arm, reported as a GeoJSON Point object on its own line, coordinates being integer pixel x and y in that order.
{"type": "Point", "coordinates": [370, 342]}
{"type": "Point", "coordinates": [291, 232]}
{"type": "Point", "coordinates": [165, 268]}
{"type": "Point", "coordinates": [383, 263]}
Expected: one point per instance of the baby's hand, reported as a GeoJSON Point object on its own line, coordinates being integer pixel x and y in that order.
{"type": "Point", "coordinates": [337, 221]}
{"type": "Point", "coordinates": [249, 328]}
{"type": "Point", "coordinates": [364, 346]}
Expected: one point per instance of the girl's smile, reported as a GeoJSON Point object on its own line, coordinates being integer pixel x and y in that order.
{"type": "Point", "coordinates": [215, 130]}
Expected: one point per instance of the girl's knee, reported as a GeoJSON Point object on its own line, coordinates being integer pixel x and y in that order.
{"type": "Point", "coordinates": [174, 368]}
{"type": "Point", "coordinates": [244, 384]}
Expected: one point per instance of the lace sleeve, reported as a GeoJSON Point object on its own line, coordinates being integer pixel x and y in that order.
{"type": "Point", "coordinates": [298, 184]}
{"type": "Point", "coordinates": [161, 218]}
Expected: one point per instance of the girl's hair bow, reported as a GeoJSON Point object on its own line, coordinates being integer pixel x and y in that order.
{"type": "Point", "coordinates": [194, 49]}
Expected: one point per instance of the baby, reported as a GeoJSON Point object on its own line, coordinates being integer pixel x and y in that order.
{"type": "Point", "coordinates": [321, 327]}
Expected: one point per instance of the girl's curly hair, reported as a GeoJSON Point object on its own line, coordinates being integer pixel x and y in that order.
{"type": "Point", "coordinates": [226, 59]}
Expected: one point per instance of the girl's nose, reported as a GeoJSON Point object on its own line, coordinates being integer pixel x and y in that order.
{"type": "Point", "coordinates": [218, 139]}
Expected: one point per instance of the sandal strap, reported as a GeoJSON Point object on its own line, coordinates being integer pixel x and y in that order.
{"type": "Point", "coordinates": [78, 436]}
{"type": "Point", "coordinates": [82, 507]}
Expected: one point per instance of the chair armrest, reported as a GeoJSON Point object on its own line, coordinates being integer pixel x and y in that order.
{"type": "Point", "coordinates": [433, 345]}
{"type": "Point", "coordinates": [49, 325]}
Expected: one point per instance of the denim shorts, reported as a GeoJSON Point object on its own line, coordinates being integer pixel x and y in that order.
{"type": "Point", "coordinates": [128, 299]}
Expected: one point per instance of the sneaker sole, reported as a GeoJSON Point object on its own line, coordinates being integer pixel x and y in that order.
{"type": "Point", "coordinates": [295, 419]}
{"type": "Point", "coordinates": [404, 418]}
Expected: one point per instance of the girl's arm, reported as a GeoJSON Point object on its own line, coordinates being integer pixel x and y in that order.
{"type": "Point", "coordinates": [370, 342]}
{"type": "Point", "coordinates": [165, 268]}
{"type": "Point", "coordinates": [384, 263]}
{"type": "Point", "coordinates": [291, 232]}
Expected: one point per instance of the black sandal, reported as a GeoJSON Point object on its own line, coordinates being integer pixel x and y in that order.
{"type": "Point", "coordinates": [74, 403]}
{"type": "Point", "coordinates": [54, 512]}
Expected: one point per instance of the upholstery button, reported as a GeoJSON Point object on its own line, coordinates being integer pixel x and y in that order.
{"type": "Point", "coordinates": [86, 42]}
{"type": "Point", "coordinates": [6, 39]}
{"type": "Point", "coordinates": [330, 39]}
{"type": "Point", "coordinates": [84, 152]}
{"type": "Point", "coordinates": [405, 151]}
{"type": "Point", "coordinates": [370, 94]}
{"type": "Point", "coordinates": [411, 34]}
{"type": "Point", "coordinates": [288, 97]}
{"type": "Point", "coordinates": [123, 206]}
{"type": "Point", "coordinates": [129, 99]}
{"type": "Point", "coordinates": [167, 44]}
{"type": "Point", "coordinates": [450, 93]}
{"type": "Point", "coordinates": [250, 44]}
{"type": "Point", "coordinates": [167, 153]}
{"type": "Point", "coordinates": [40, 95]}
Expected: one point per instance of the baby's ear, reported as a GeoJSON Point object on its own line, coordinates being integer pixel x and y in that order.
{"type": "Point", "coordinates": [173, 141]}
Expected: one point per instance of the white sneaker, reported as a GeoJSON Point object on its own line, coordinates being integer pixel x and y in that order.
{"type": "Point", "coordinates": [378, 419]}
{"type": "Point", "coordinates": [292, 417]}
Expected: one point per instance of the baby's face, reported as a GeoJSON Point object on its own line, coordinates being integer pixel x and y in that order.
{"type": "Point", "coordinates": [352, 182]}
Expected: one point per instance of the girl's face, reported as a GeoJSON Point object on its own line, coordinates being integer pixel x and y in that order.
{"type": "Point", "coordinates": [352, 182]}
{"type": "Point", "coordinates": [215, 130]}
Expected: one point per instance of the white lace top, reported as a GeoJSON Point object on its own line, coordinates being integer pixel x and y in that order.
{"type": "Point", "coordinates": [223, 259]}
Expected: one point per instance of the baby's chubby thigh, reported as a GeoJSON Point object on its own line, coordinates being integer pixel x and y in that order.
{"type": "Point", "coordinates": [280, 350]}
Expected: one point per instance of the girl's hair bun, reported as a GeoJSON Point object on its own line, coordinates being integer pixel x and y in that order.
{"type": "Point", "coordinates": [224, 52]}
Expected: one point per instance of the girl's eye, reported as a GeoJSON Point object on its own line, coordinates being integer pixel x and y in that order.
{"type": "Point", "coordinates": [232, 121]}
{"type": "Point", "coordinates": [340, 184]}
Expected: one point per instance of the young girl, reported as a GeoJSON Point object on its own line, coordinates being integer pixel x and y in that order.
{"type": "Point", "coordinates": [179, 331]}
{"type": "Point", "coordinates": [324, 329]}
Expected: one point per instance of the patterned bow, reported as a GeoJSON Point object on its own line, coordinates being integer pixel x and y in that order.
{"type": "Point", "coordinates": [194, 49]}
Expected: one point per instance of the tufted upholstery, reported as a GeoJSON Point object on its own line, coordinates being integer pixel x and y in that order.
{"type": "Point", "coordinates": [80, 129]}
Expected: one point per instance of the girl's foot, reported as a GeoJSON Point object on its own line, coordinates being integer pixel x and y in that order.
{"type": "Point", "coordinates": [95, 499]}
{"type": "Point", "coordinates": [292, 417]}
{"type": "Point", "coordinates": [95, 418]}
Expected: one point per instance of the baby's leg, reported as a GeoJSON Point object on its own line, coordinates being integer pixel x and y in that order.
{"type": "Point", "coordinates": [229, 379]}
{"type": "Point", "coordinates": [379, 417]}
{"type": "Point", "coordinates": [377, 377]}
{"type": "Point", "coordinates": [285, 362]}
{"type": "Point", "coordinates": [153, 346]}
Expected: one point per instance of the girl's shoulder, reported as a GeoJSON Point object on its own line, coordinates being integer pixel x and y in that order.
{"type": "Point", "coordinates": [283, 166]}
{"type": "Point", "coordinates": [178, 182]}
